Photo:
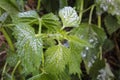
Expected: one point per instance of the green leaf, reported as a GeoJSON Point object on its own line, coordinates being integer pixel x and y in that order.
{"type": "Point", "coordinates": [111, 24]}
{"type": "Point", "coordinates": [109, 73]}
{"type": "Point", "coordinates": [75, 58]}
{"type": "Point", "coordinates": [28, 14]}
{"type": "Point", "coordinates": [29, 47]}
{"type": "Point", "coordinates": [14, 3]}
{"type": "Point", "coordinates": [47, 77]}
{"type": "Point", "coordinates": [82, 31]}
{"type": "Point", "coordinates": [89, 33]}
{"type": "Point", "coordinates": [108, 45]}
{"type": "Point", "coordinates": [78, 41]}
{"type": "Point", "coordinates": [111, 6]}
{"type": "Point", "coordinates": [50, 21]}
{"type": "Point", "coordinates": [57, 58]}
{"type": "Point", "coordinates": [64, 76]}
{"type": "Point", "coordinates": [12, 58]}
{"type": "Point", "coordinates": [43, 76]}
{"type": "Point", "coordinates": [20, 4]}
{"type": "Point", "coordinates": [95, 36]}
{"type": "Point", "coordinates": [28, 17]}
{"type": "Point", "coordinates": [50, 16]}
{"type": "Point", "coordinates": [48, 42]}
{"type": "Point", "coordinates": [3, 17]}
{"type": "Point", "coordinates": [69, 17]}
{"type": "Point", "coordinates": [9, 8]}
{"type": "Point", "coordinates": [100, 33]}
{"type": "Point", "coordinates": [97, 66]}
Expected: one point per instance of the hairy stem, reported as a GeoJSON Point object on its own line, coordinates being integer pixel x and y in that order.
{"type": "Point", "coordinates": [91, 12]}
{"type": "Point", "coordinates": [8, 39]}
{"type": "Point", "coordinates": [99, 21]}
{"type": "Point", "coordinates": [39, 33]}
{"type": "Point", "coordinates": [38, 5]}
{"type": "Point", "coordinates": [99, 25]}
{"type": "Point", "coordinates": [40, 25]}
{"type": "Point", "coordinates": [15, 69]}
{"type": "Point", "coordinates": [81, 9]}
{"type": "Point", "coordinates": [3, 72]}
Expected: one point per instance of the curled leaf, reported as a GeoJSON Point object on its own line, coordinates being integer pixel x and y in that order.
{"type": "Point", "coordinates": [69, 17]}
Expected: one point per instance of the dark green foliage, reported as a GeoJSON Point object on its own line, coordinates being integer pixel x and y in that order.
{"type": "Point", "coordinates": [51, 41]}
{"type": "Point", "coordinates": [51, 21]}
{"type": "Point", "coordinates": [50, 6]}
{"type": "Point", "coordinates": [111, 6]}
{"type": "Point", "coordinates": [5, 4]}
{"type": "Point", "coordinates": [111, 24]}
{"type": "Point", "coordinates": [96, 67]}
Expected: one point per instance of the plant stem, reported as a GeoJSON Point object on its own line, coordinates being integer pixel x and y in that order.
{"type": "Point", "coordinates": [4, 68]}
{"type": "Point", "coordinates": [87, 9]}
{"type": "Point", "coordinates": [40, 25]}
{"type": "Point", "coordinates": [62, 27]}
{"type": "Point", "coordinates": [91, 12]}
{"type": "Point", "coordinates": [99, 21]}
{"type": "Point", "coordinates": [99, 25]}
{"type": "Point", "coordinates": [8, 39]}
{"type": "Point", "coordinates": [39, 33]}
{"type": "Point", "coordinates": [15, 69]}
{"type": "Point", "coordinates": [100, 52]}
{"type": "Point", "coordinates": [43, 62]}
{"type": "Point", "coordinates": [81, 9]}
{"type": "Point", "coordinates": [38, 5]}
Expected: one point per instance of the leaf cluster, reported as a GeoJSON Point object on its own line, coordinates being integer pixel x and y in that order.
{"type": "Point", "coordinates": [55, 40]}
